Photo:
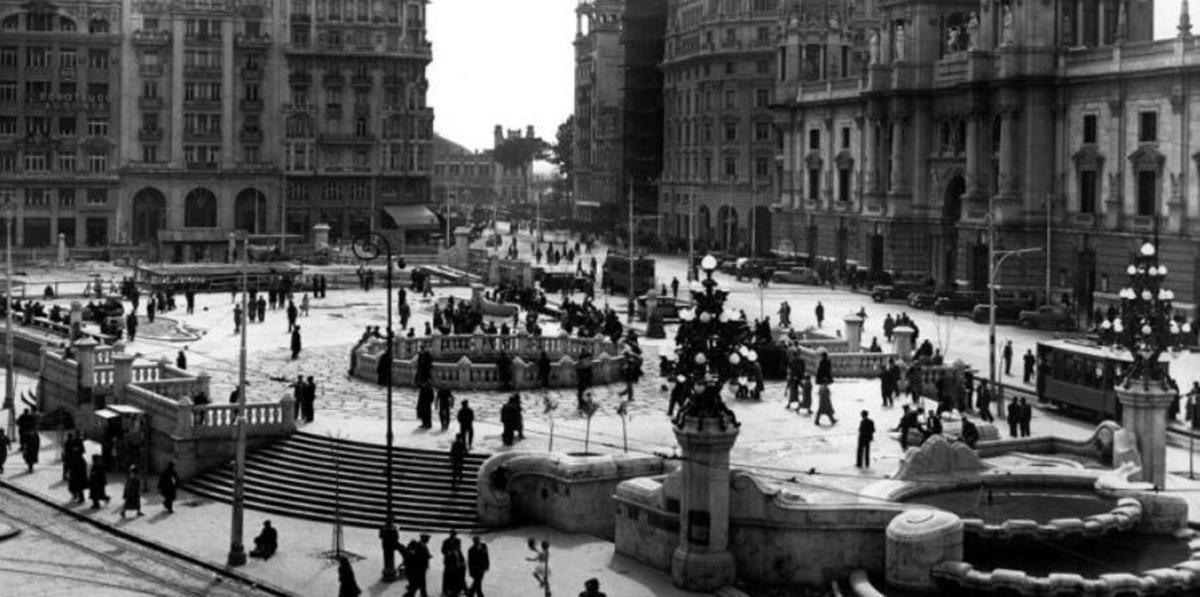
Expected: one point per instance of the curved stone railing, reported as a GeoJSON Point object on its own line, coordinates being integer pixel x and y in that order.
{"type": "Point", "coordinates": [1124, 517]}
{"type": "Point", "coordinates": [1175, 580]}
{"type": "Point", "coordinates": [847, 364]}
{"type": "Point", "coordinates": [453, 346]}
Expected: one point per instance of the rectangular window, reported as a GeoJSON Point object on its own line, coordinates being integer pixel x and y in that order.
{"type": "Point", "coordinates": [36, 162]}
{"type": "Point", "coordinates": [730, 98]}
{"type": "Point", "coordinates": [37, 197]}
{"type": "Point", "coordinates": [150, 89]}
{"type": "Point", "coordinates": [762, 67]}
{"type": "Point", "coordinates": [730, 68]}
{"type": "Point", "coordinates": [762, 97]}
{"type": "Point", "coordinates": [762, 131]}
{"type": "Point", "coordinates": [97, 196]}
{"type": "Point", "coordinates": [8, 161]}
{"type": "Point", "coordinates": [98, 59]}
{"type": "Point", "coordinates": [8, 56]}
{"type": "Point", "coordinates": [66, 162]}
{"type": "Point", "coordinates": [1087, 191]}
{"type": "Point", "coordinates": [8, 125]}
{"type": "Point", "coordinates": [1089, 128]}
{"type": "Point", "coordinates": [814, 139]}
{"type": "Point", "coordinates": [66, 126]}
{"type": "Point", "coordinates": [730, 133]}
{"type": "Point", "coordinates": [1147, 192]}
{"type": "Point", "coordinates": [731, 167]}
{"type": "Point", "coordinates": [66, 197]}
{"type": "Point", "coordinates": [97, 162]}
{"type": "Point", "coordinates": [37, 125]}
{"type": "Point", "coordinates": [1148, 127]}
{"type": "Point", "coordinates": [845, 137]}
{"type": "Point", "coordinates": [67, 58]}
{"type": "Point", "coordinates": [8, 91]}
{"type": "Point", "coordinates": [814, 184]}
{"type": "Point", "coordinates": [37, 56]}
{"type": "Point", "coordinates": [762, 167]}
{"type": "Point", "coordinates": [149, 153]}
{"type": "Point", "coordinates": [97, 127]}
{"type": "Point", "coordinates": [844, 185]}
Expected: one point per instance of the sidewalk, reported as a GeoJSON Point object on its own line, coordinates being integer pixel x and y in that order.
{"type": "Point", "coordinates": [200, 528]}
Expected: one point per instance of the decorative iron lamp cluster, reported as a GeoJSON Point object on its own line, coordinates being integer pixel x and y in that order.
{"type": "Point", "coordinates": [1145, 325]}
{"type": "Point", "coordinates": [711, 346]}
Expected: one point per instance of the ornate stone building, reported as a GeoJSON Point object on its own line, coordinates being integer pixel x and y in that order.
{"type": "Point", "coordinates": [59, 110]}
{"type": "Point", "coordinates": [719, 137]}
{"type": "Point", "coordinates": [474, 180]}
{"type": "Point", "coordinates": [1062, 120]}
{"type": "Point", "coordinates": [599, 59]}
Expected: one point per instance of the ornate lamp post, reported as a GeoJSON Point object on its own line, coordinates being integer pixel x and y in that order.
{"type": "Point", "coordinates": [712, 346]}
{"type": "Point", "coordinates": [1145, 328]}
{"type": "Point", "coordinates": [369, 247]}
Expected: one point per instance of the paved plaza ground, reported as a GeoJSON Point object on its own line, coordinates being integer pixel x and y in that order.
{"type": "Point", "coordinates": [785, 447]}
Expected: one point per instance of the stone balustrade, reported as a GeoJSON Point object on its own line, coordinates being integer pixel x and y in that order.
{"type": "Point", "coordinates": [453, 346]}
{"type": "Point", "coordinates": [847, 364]}
{"type": "Point", "coordinates": [220, 420]}
{"type": "Point", "coordinates": [467, 375]}
{"type": "Point", "coordinates": [177, 388]}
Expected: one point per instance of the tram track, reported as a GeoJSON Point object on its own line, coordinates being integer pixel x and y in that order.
{"type": "Point", "coordinates": [127, 561]}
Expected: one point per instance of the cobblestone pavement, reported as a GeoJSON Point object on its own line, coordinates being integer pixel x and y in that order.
{"type": "Point", "coordinates": [56, 555]}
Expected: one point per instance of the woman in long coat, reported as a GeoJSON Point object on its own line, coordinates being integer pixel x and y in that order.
{"type": "Point", "coordinates": [4, 445]}
{"type": "Point", "coordinates": [347, 584]}
{"type": "Point", "coordinates": [133, 492]}
{"type": "Point", "coordinates": [77, 477]}
{"type": "Point", "coordinates": [33, 443]}
{"type": "Point", "coordinates": [168, 484]}
{"type": "Point", "coordinates": [97, 482]}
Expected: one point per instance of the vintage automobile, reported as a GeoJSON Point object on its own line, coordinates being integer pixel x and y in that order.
{"type": "Point", "coordinates": [797, 275]}
{"type": "Point", "coordinates": [963, 301]}
{"type": "Point", "coordinates": [1047, 317]}
{"type": "Point", "coordinates": [900, 289]}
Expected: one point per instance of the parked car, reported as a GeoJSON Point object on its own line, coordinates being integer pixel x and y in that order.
{"type": "Point", "coordinates": [1049, 317]}
{"type": "Point", "coordinates": [924, 299]}
{"type": "Point", "coordinates": [958, 302]}
{"type": "Point", "coordinates": [668, 307]}
{"type": "Point", "coordinates": [899, 290]}
{"type": "Point", "coordinates": [1006, 311]}
{"type": "Point", "coordinates": [554, 282]}
{"type": "Point", "coordinates": [798, 275]}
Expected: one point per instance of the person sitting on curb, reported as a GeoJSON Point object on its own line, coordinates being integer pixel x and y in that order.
{"type": "Point", "coordinates": [266, 542]}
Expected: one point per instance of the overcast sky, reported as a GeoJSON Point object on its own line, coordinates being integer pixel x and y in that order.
{"type": "Point", "coordinates": [511, 62]}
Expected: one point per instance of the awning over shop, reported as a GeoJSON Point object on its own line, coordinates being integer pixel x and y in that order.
{"type": "Point", "coordinates": [411, 217]}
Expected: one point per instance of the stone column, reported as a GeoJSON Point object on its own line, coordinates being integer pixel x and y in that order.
{"type": "Point", "coordinates": [904, 342]}
{"type": "Point", "coordinates": [703, 562]}
{"type": "Point", "coordinates": [899, 173]}
{"type": "Point", "coordinates": [85, 356]}
{"type": "Point", "coordinates": [1008, 153]}
{"type": "Point", "coordinates": [288, 404]}
{"type": "Point", "coordinates": [854, 328]}
{"type": "Point", "coordinates": [122, 375]}
{"type": "Point", "coordinates": [62, 248]}
{"type": "Point", "coordinates": [1144, 412]}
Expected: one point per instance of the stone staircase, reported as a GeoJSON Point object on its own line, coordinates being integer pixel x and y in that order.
{"type": "Point", "coordinates": [301, 476]}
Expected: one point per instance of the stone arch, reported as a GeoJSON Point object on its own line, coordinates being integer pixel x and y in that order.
{"type": "Point", "coordinates": [200, 209]}
{"type": "Point", "coordinates": [952, 206]}
{"type": "Point", "coordinates": [10, 23]}
{"type": "Point", "coordinates": [250, 211]}
{"type": "Point", "coordinates": [149, 215]}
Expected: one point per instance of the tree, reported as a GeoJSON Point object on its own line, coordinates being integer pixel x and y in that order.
{"type": "Point", "coordinates": [519, 153]}
{"type": "Point", "coordinates": [562, 152]}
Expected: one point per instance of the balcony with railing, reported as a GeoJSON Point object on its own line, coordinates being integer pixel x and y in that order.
{"type": "Point", "coordinates": [150, 103]}
{"type": "Point", "coordinates": [203, 166]}
{"type": "Point", "coordinates": [150, 70]}
{"type": "Point", "coordinates": [202, 136]}
{"type": "Point", "coordinates": [362, 80]}
{"type": "Point", "coordinates": [246, 41]}
{"type": "Point", "coordinates": [345, 139]}
{"type": "Point", "coordinates": [251, 105]}
{"type": "Point", "coordinates": [300, 108]}
{"type": "Point", "coordinates": [251, 74]}
{"type": "Point", "coordinates": [251, 135]}
{"type": "Point", "coordinates": [253, 9]}
{"type": "Point", "coordinates": [333, 80]}
{"type": "Point", "coordinates": [298, 77]}
{"type": "Point", "coordinates": [147, 37]}
{"type": "Point", "coordinates": [203, 71]}
{"type": "Point", "coordinates": [212, 38]}
{"type": "Point", "coordinates": [202, 105]}
{"type": "Point", "coordinates": [150, 134]}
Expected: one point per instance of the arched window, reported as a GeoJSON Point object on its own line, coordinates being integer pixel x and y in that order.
{"type": "Point", "coordinates": [149, 215]}
{"type": "Point", "coordinates": [65, 24]}
{"type": "Point", "coordinates": [200, 209]}
{"type": "Point", "coordinates": [97, 26]}
{"type": "Point", "coordinates": [11, 23]}
{"type": "Point", "coordinates": [250, 211]}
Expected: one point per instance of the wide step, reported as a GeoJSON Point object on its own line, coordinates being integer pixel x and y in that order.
{"type": "Point", "coordinates": [322, 479]}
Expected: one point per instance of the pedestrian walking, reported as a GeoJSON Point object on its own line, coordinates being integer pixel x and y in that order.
{"type": "Point", "coordinates": [508, 419]}
{"type": "Point", "coordinates": [131, 325]}
{"type": "Point", "coordinates": [454, 566]}
{"type": "Point", "coordinates": [132, 493]}
{"type": "Point", "coordinates": [983, 404]}
{"type": "Point", "coordinates": [806, 397]}
{"type": "Point", "coordinates": [824, 370]}
{"type": "Point", "coordinates": [674, 286]}
{"type": "Point", "coordinates": [97, 483]}
{"type": "Point", "coordinates": [310, 400]}
{"type": "Point", "coordinates": [458, 457]}
{"type": "Point", "coordinates": [292, 314]}
{"type": "Point", "coordinates": [168, 485]}
{"type": "Point", "coordinates": [33, 444]}
{"type": "Point", "coordinates": [181, 358]}
{"type": "Point", "coordinates": [466, 423]}
{"type": "Point", "coordinates": [1007, 355]}
{"type": "Point", "coordinates": [238, 316]}
{"type": "Point", "coordinates": [820, 312]}
{"type": "Point", "coordinates": [5, 444]}
{"type": "Point", "coordinates": [1030, 362]}
{"type": "Point", "coordinates": [445, 403]}
{"type": "Point", "coordinates": [295, 342]}
{"type": "Point", "coordinates": [425, 405]}
{"type": "Point", "coordinates": [416, 564]}
{"type": "Point", "coordinates": [347, 584]}
{"type": "Point", "coordinates": [824, 405]}
{"type": "Point", "coordinates": [77, 477]}
{"type": "Point", "coordinates": [866, 434]}
{"type": "Point", "coordinates": [151, 309]}
{"type": "Point", "coordinates": [1014, 417]}
{"type": "Point", "coordinates": [304, 305]}
{"type": "Point", "coordinates": [478, 563]}
{"type": "Point", "coordinates": [1025, 416]}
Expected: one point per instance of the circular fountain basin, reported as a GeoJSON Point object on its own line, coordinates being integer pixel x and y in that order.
{"type": "Point", "coordinates": [999, 504]}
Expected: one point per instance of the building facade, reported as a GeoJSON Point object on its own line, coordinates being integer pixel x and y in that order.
{"type": "Point", "coordinates": [599, 79]}
{"type": "Point", "coordinates": [1066, 124]}
{"type": "Point", "coordinates": [643, 27]}
{"type": "Point", "coordinates": [59, 113]}
{"type": "Point", "coordinates": [719, 136]}
{"type": "Point", "coordinates": [475, 180]}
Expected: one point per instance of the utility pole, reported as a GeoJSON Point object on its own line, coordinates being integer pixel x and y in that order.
{"type": "Point", "coordinates": [10, 380]}
{"type": "Point", "coordinates": [631, 257]}
{"type": "Point", "coordinates": [1049, 219]}
{"type": "Point", "coordinates": [237, 552]}
{"type": "Point", "coordinates": [691, 267]}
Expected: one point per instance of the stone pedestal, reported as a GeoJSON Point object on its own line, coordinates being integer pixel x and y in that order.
{"type": "Point", "coordinates": [320, 234]}
{"type": "Point", "coordinates": [703, 562]}
{"type": "Point", "coordinates": [85, 355]}
{"type": "Point", "coordinates": [916, 541]}
{"type": "Point", "coordinates": [854, 328]}
{"type": "Point", "coordinates": [477, 296]}
{"type": "Point", "coordinates": [62, 249]}
{"type": "Point", "coordinates": [904, 342]}
{"type": "Point", "coordinates": [122, 374]}
{"type": "Point", "coordinates": [76, 319]}
{"type": "Point", "coordinates": [1144, 413]}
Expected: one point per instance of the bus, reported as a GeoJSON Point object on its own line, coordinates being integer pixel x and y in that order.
{"type": "Point", "coordinates": [1080, 374]}
{"type": "Point", "coordinates": [616, 274]}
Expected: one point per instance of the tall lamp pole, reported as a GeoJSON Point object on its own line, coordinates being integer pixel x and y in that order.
{"type": "Point", "coordinates": [367, 248]}
{"type": "Point", "coordinates": [237, 552]}
{"type": "Point", "coordinates": [691, 267]}
{"type": "Point", "coordinates": [995, 260]}
{"type": "Point", "coordinates": [10, 381]}
{"type": "Point", "coordinates": [631, 257]}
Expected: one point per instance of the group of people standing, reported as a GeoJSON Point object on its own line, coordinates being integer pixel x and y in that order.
{"type": "Point", "coordinates": [305, 394]}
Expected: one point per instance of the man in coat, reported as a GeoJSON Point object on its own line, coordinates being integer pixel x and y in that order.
{"type": "Point", "coordinates": [295, 343]}
{"type": "Point", "coordinates": [417, 564]}
{"type": "Point", "coordinates": [866, 433]}
{"type": "Point", "coordinates": [478, 563]}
